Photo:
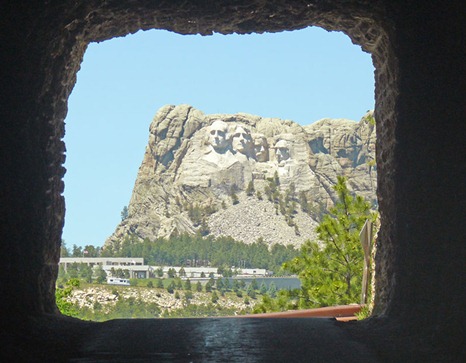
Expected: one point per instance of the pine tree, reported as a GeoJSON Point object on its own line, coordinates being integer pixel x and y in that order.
{"type": "Point", "coordinates": [124, 213]}
{"type": "Point", "coordinates": [233, 196]}
{"type": "Point", "coordinates": [208, 286]}
{"type": "Point", "coordinates": [195, 214]}
{"type": "Point", "coordinates": [251, 291]}
{"type": "Point", "coordinates": [101, 275]}
{"type": "Point", "coordinates": [276, 179]}
{"type": "Point", "coordinates": [331, 270]}
{"type": "Point", "coordinates": [219, 284]}
{"type": "Point", "coordinates": [250, 189]}
{"type": "Point", "coordinates": [303, 202]}
{"type": "Point", "coordinates": [272, 290]}
{"type": "Point", "coordinates": [64, 251]}
{"type": "Point", "coordinates": [171, 287]}
{"type": "Point", "coordinates": [214, 297]}
{"type": "Point", "coordinates": [234, 199]}
{"type": "Point", "coordinates": [204, 229]}
{"type": "Point", "coordinates": [159, 272]}
{"type": "Point", "coordinates": [188, 295]}
{"type": "Point", "coordinates": [263, 288]}
{"type": "Point", "coordinates": [171, 272]}
{"type": "Point", "coordinates": [268, 192]}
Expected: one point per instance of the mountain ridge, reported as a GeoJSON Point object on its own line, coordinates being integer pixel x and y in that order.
{"type": "Point", "coordinates": [198, 170]}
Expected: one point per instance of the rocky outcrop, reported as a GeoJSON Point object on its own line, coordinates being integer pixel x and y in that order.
{"type": "Point", "coordinates": [106, 297]}
{"type": "Point", "coordinates": [343, 147]}
{"type": "Point", "coordinates": [245, 176]}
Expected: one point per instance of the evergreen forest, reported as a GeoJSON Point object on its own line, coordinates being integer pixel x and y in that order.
{"type": "Point", "coordinates": [195, 250]}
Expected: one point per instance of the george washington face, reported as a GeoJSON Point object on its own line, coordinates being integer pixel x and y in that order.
{"type": "Point", "coordinates": [218, 135]}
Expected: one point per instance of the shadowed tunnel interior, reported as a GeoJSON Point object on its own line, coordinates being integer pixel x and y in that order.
{"type": "Point", "coordinates": [418, 52]}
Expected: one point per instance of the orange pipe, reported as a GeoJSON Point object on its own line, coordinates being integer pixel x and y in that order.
{"type": "Point", "coordinates": [341, 311]}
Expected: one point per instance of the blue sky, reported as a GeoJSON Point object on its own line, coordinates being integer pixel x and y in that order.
{"type": "Point", "coordinates": [302, 75]}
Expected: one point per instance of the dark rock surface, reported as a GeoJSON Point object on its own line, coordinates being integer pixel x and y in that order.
{"type": "Point", "coordinates": [419, 55]}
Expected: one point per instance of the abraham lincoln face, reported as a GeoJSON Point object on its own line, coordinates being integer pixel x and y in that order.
{"type": "Point", "coordinates": [282, 151]}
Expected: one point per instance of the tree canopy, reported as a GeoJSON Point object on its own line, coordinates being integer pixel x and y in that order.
{"type": "Point", "coordinates": [196, 250]}
{"type": "Point", "coordinates": [330, 269]}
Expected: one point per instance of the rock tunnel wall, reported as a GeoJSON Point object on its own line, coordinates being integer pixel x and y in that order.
{"type": "Point", "coordinates": [417, 52]}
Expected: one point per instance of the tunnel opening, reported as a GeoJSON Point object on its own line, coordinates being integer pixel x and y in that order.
{"type": "Point", "coordinates": [403, 100]}
{"type": "Point", "coordinates": [95, 81]}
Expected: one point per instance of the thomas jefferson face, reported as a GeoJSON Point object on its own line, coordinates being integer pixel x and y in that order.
{"type": "Point", "coordinates": [242, 140]}
{"type": "Point", "coordinates": [218, 135]}
{"type": "Point", "coordinates": [282, 151]}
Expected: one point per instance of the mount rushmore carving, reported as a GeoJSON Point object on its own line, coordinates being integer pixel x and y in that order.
{"type": "Point", "coordinates": [198, 160]}
{"type": "Point", "coordinates": [237, 138]}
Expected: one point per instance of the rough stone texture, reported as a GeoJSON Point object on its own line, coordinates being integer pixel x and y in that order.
{"type": "Point", "coordinates": [108, 296]}
{"type": "Point", "coordinates": [419, 55]}
{"type": "Point", "coordinates": [181, 169]}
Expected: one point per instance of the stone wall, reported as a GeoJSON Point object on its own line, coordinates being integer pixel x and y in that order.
{"type": "Point", "coordinates": [48, 69]}
{"type": "Point", "coordinates": [418, 51]}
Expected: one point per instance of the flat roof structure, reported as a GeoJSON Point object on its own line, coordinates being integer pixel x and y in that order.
{"type": "Point", "coordinates": [114, 261]}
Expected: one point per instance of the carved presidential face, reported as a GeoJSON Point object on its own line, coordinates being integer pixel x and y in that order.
{"type": "Point", "coordinates": [218, 135]}
{"type": "Point", "coordinates": [282, 151]}
{"type": "Point", "coordinates": [261, 148]}
{"type": "Point", "coordinates": [242, 140]}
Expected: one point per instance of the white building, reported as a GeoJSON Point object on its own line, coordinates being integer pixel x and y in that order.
{"type": "Point", "coordinates": [137, 269]}
{"type": "Point", "coordinates": [253, 272]}
{"type": "Point", "coordinates": [102, 261]}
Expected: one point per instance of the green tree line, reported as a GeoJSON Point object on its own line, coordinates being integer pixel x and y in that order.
{"type": "Point", "coordinates": [194, 250]}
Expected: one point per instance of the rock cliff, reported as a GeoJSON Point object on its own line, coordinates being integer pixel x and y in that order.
{"type": "Point", "coordinates": [245, 176]}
